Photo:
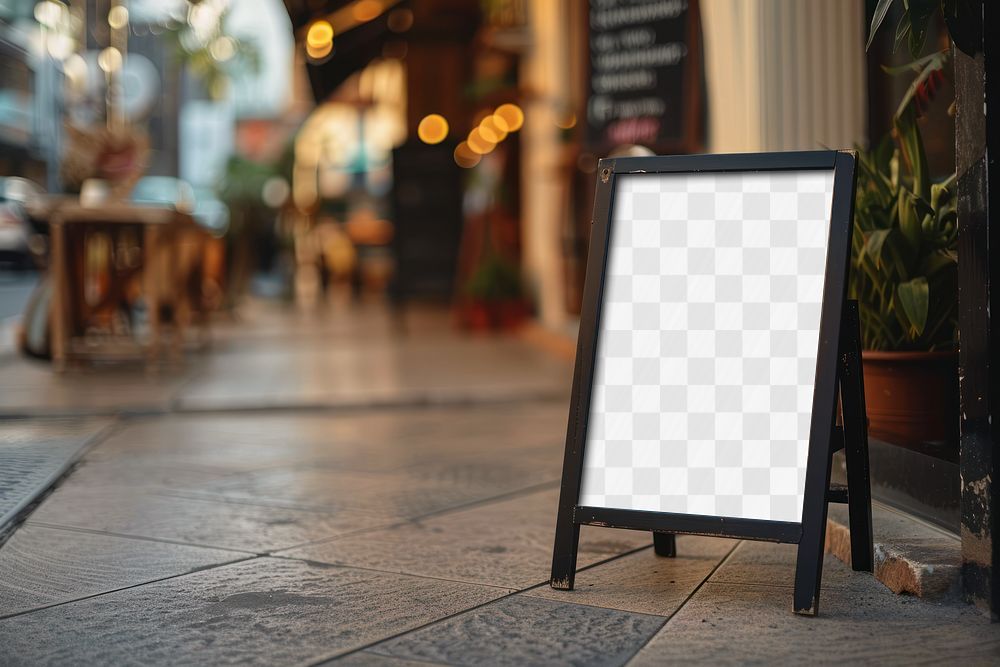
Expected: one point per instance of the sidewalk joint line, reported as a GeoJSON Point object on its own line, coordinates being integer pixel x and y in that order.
{"type": "Point", "coordinates": [125, 588]}
{"type": "Point", "coordinates": [514, 592]}
{"type": "Point", "coordinates": [670, 617]}
{"type": "Point", "coordinates": [396, 522]}
{"type": "Point", "coordinates": [145, 538]}
{"type": "Point", "coordinates": [347, 566]}
{"type": "Point", "coordinates": [24, 509]}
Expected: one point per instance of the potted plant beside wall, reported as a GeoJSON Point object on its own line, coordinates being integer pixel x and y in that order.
{"type": "Point", "coordinates": [493, 298]}
{"type": "Point", "coordinates": [905, 278]}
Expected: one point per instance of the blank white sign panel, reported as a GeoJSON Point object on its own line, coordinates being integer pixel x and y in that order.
{"type": "Point", "coordinates": [707, 343]}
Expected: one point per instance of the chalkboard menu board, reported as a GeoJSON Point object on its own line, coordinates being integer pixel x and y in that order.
{"type": "Point", "coordinates": [644, 80]}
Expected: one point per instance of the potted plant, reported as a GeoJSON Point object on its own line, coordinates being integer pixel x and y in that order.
{"type": "Point", "coordinates": [905, 278]}
{"type": "Point", "coordinates": [904, 253]}
{"type": "Point", "coordinates": [494, 296]}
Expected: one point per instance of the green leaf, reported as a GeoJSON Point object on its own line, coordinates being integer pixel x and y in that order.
{"type": "Point", "coordinates": [941, 194]}
{"type": "Point", "coordinates": [902, 31]}
{"type": "Point", "coordinates": [873, 245]}
{"type": "Point", "coordinates": [909, 219]}
{"type": "Point", "coordinates": [914, 298]}
{"type": "Point", "coordinates": [877, 17]}
{"type": "Point", "coordinates": [912, 145]}
{"type": "Point", "coordinates": [936, 262]}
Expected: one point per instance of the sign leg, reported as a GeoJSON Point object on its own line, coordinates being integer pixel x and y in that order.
{"type": "Point", "coordinates": [809, 562]}
{"type": "Point", "coordinates": [665, 544]}
{"type": "Point", "coordinates": [852, 391]}
{"type": "Point", "coordinates": [564, 552]}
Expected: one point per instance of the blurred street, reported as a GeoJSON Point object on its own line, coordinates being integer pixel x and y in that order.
{"type": "Point", "coordinates": [290, 293]}
{"type": "Point", "coordinates": [15, 288]}
{"type": "Point", "coordinates": [326, 486]}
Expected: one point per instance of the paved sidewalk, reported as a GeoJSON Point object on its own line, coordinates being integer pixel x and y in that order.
{"type": "Point", "coordinates": [319, 490]}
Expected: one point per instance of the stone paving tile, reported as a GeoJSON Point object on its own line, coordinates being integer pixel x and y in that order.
{"type": "Point", "coordinates": [31, 388]}
{"type": "Point", "coordinates": [369, 659]}
{"type": "Point", "coordinates": [394, 371]}
{"type": "Point", "coordinates": [230, 443]}
{"type": "Point", "coordinates": [33, 453]}
{"type": "Point", "coordinates": [505, 543]}
{"type": "Point", "coordinates": [43, 566]}
{"type": "Point", "coordinates": [260, 612]}
{"type": "Point", "coordinates": [410, 493]}
{"type": "Point", "coordinates": [106, 474]}
{"type": "Point", "coordinates": [729, 624]}
{"type": "Point", "coordinates": [528, 631]}
{"type": "Point", "coordinates": [249, 528]}
{"type": "Point", "coordinates": [769, 564]}
{"type": "Point", "coordinates": [370, 441]}
{"type": "Point", "coordinates": [261, 320]}
{"type": "Point", "coordinates": [644, 582]}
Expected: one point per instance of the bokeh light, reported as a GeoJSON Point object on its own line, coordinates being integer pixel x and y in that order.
{"type": "Point", "coordinates": [366, 10]}
{"type": "Point", "coordinates": [480, 144]}
{"type": "Point", "coordinates": [566, 120]}
{"type": "Point", "coordinates": [465, 157]}
{"type": "Point", "coordinates": [492, 130]}
{"type": "Point", "coordinates": [501, 123]}
{"type": "Point", "coordinates": [400, 20]}
{"type": "Point", "coordinates": [110, 60]}
{"type": "Point", "coordinates": [512, 115]}
{"type": "Point", "coordinates": [118, 17]}
{"type": "Point", "coordinates": [223, 48]}
{"type": "Point", "coordinates": [318, 53]}
{"type": "Point", "coordinates": [433, 129]}
{"type": "Point", "coordinates": [320, 35]}
{"type": "Point", "coordinates": [49, 13]}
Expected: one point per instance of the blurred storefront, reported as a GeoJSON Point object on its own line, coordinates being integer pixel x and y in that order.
{"type": "Point", "coordinates": [589, 80]}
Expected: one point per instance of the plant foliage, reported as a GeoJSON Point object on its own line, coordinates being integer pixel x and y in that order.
{"type": "Point", "coordinates": [905, 275]}
{"type": "Point", "coordinates": [963, 18]}
{"type": "Point", "coordinates": [495, 279]}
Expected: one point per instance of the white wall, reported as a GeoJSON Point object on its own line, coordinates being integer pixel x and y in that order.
{"type": "Point", "coordinates": [784, 74]}
{"type": "Point", "coordinates": [544, 194]}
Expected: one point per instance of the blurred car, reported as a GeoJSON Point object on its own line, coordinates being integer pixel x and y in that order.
{"type": "Point", "coordinates": [22, 239]}
{"type": "Point", "coordinates": [177, 193]}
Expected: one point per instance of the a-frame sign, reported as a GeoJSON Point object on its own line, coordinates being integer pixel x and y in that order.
{"type": "Point", "coordinates": [715, 343]}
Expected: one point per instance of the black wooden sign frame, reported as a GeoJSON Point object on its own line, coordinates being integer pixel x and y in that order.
{"type": "Point", "coordinates": [838, 376]}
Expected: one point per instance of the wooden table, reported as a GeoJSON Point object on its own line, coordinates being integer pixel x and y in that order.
{"type": "Point", "coordinates": [155, 250]}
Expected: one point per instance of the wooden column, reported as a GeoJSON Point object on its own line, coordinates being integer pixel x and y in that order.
{"type": "Point", "coordinates": [977, 87]}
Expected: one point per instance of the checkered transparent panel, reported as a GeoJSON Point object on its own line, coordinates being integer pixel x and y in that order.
{"type": "Point", "coordinates": [706, 353]}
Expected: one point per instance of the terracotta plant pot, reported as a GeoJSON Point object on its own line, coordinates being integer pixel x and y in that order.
{"type": "Point", "coordinates": [912, 397]}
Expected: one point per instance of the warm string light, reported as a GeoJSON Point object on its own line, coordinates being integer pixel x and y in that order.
{"type": "Point", "coordinates": [465, 157]}
{"type": "Point", "coordinates": [491, 131]}
{"type": "Point", "coordinates": [433, 129]}
{"type": "Point", "coordinates": [480, 144]}
{"type": "Point", "coordinates": [366, 10]}
{"type": "Point", "coordinates": [319, 40]}
{"type": "Point", "coordinates": [510, 114]}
